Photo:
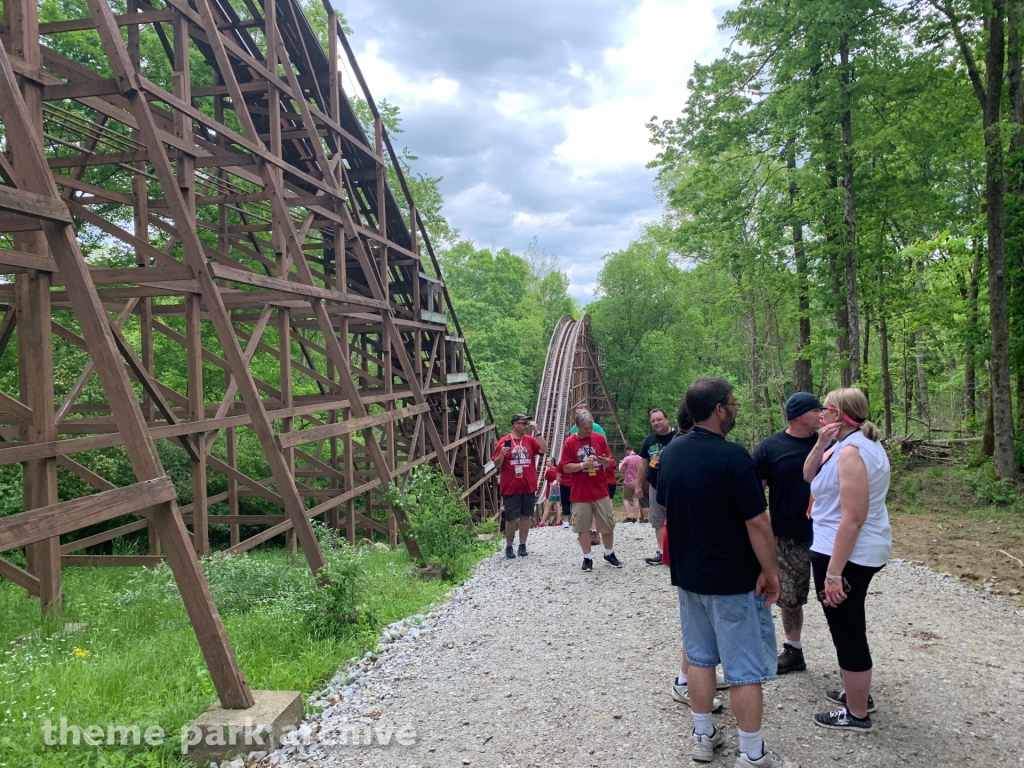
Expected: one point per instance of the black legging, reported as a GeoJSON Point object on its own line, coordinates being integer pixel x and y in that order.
{"type": "Point", "coordinates": [846, 622]}
{"type": "Point", "coordinates": [564, 491]}
{"type": "Point", "coordinates": [611, 490]}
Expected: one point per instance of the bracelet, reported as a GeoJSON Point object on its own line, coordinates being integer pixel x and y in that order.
{"type": "Point", "coordinates": [830, 577]}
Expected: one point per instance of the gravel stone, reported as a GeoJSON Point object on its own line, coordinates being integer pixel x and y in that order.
{"type": "Point", "coordinates": [534, 663]}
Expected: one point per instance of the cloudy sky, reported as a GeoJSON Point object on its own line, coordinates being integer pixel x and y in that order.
{"type": "Point", "coordinates": [533, 111]}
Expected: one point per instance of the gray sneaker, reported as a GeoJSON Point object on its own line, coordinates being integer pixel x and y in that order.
{"type": "Point", "coordinates": [704, 746]}
{"type": "Point", "coordinates": [768, 760]}
{"type": "Point", "coordinates": [681, 693]}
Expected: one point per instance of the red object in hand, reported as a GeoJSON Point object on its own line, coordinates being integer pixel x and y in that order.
{"type": "Point", "coordinates": [664, 544]}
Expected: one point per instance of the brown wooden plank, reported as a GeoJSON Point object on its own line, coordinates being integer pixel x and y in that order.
{"type": "Point", "coordinates": [111, 561]}
{"type": "Point", "coordinates": [30, 204]}
{"type": "Point", "coordinates": [22, 578]}
{"type": "Point", "coordinates": [99, 538]}
{"type": "Point", "coordinates": [37, 524]}
{"type": "Point", "coordinates": [352, 425]}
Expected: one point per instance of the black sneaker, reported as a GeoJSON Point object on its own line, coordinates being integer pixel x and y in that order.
{"type": "Point", "coordinates": [612, 560]}
{"type": "Point", "coordinates": [510, 554]}
{"type": "Point", "coordinates": [839, 697]}
{"type": "Point", "coordinates": [791, 660]}
{"type": "Point", "coordinates": [842, 720]}
{"type": "Point", "coordinates": [588, 564]}
{"type": "Point", "coordinates": [656, 560]}
{"type": "Point", "coordinates": [522, 551]}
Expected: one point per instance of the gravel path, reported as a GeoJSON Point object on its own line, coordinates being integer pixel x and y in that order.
{"type": "Point", "coordinates": [534, 663]}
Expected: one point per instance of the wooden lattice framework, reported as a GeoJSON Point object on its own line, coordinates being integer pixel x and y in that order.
{"type": "Point", "coordinates": [261, 233]}
{"type": "Point", "coordinates": [572, 375]}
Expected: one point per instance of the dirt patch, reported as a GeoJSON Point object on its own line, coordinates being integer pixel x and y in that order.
{"type": "Point", "coordinates": [979, 553]}
{"type": "Point", "coordinates": [938, 522]}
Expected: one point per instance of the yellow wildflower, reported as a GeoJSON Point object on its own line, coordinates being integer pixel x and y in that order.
{"type": "Point", "coordinates": [81, 653]}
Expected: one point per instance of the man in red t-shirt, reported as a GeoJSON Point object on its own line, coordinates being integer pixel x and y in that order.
{"type": "Point", "coordinates": [516, 456]}
{"type": "Point", "coordinates": [586, 457]}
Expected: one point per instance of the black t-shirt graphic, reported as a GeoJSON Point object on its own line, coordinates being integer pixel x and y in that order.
{"type": "Point", "coordinates": [651, 450]}
{"type": "Point", "coordinates": [780, 460]}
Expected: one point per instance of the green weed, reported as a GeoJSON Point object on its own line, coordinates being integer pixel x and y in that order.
{"type": "Point", "coordinates": [138, 660]}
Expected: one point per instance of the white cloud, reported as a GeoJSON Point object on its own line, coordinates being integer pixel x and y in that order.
{"type": "Point", "coordinates": [535, 221]}
{"type": "Point", "coordinates": [644, 76]}
{"type": "Point", "coordinates": [385, 79]}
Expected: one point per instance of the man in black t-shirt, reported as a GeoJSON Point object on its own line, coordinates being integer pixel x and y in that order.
{"type": "Point", "coordinates": [647, 474]}
{"type": "Point", "coordinates": [780, 463]}
{"type": "Point", "coordinates": [723, 565]}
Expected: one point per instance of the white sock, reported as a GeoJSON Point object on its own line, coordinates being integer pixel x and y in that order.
{"type": "Point", "coordinates": [702, 724]}
{"type": "Point", "coordinates": [588, 555]}
{"type": "Point", "coordinates": [795, 643]}
{"type": "Point", "coordinates": [681, 679]}
{"type": "Point", "coordinates": [751, 744]}
{"type": "Point", "coordinates": [608, 552]}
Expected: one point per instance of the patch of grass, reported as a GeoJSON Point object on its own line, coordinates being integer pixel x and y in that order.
{"type": "Point", "coordinates": [143, 665]}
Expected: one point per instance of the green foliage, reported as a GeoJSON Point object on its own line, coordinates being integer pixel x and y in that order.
{"type": "Point", "coordinates": [990, 490]}
{"type": "Point", "coordinates": [438, 521]}
{"type": "Point", "coordinates": [507, 306]}
{"type": "Point", "coordinates": [144, 666]}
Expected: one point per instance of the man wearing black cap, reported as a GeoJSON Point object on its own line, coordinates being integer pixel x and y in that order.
{"type": "Point", "coordinates": [780, 463]}
{"type": "Point", "coordinates": [516, 457]}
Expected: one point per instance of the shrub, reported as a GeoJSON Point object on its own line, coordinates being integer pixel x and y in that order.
{"type": "Point", "coordinates": [988, 490]}
{"type": "Point", "coordinates": [438, 521]}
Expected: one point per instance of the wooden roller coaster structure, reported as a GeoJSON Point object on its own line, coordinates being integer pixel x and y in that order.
{"type": "Point", "coordinates": [255, 229]}
{"type": "Point", "coordinates": [572, 375]}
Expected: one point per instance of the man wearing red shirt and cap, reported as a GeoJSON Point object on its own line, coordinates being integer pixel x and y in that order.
{"type": "Point", "coordinates": [586, 457]}
{"type": "Point", "coordinates": [516, 457]}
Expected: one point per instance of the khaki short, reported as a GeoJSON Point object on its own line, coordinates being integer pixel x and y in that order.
{"type": "Point", "coordinates": [593, 514]}
{"type": "Point", "coordinates": [627, 492]}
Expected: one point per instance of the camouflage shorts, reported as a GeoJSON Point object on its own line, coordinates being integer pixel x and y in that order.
{"type": "Point", "coordinates": [794, 571]}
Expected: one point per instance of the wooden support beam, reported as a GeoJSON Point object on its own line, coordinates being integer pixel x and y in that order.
{"type": "Point", "coordinates": [65, 517]}
{"type": "Point", "coordinates": [304, 436]}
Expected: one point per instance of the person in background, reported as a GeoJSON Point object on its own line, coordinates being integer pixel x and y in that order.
{"type": "Point", "coordinates": [780, 462]}
{"type": "Point", "coordinates": [586, 455]}
{"type": "Point", "coordinates": [852, 542]}
{"type": "Point", "coordinates": [630, 499]}
{"type": "Point", "coordinates": [515, 456]}
{"type": "Point", "coordinates": [661, 435]}
{"type": "Point", "coordinates": [724, 567]}
{"type": "Point", "coordinates": [551, 495]}
{"type": "Point", "coordinates": [581, 406]}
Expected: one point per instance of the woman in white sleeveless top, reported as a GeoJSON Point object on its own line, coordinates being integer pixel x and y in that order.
{"type": "Point", "coordinates": [849, 475]}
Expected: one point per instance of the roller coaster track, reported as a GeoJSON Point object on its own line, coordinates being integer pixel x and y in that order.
{"type": "Point", "coordinates": [572, 374]}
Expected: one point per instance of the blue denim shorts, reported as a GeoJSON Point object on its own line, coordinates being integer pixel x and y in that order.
{"type": "Point", "coordinates": [736, 631]}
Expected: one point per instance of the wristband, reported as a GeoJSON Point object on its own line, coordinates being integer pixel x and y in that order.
{"type": "Point", "coordinates": [830, 577]}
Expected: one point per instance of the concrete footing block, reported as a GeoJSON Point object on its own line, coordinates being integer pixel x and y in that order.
{"type": "Point", "coordinates": [221, 734]}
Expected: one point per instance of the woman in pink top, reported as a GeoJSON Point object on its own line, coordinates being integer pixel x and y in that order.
{"type": "Point", "coordinates": [630, 501]}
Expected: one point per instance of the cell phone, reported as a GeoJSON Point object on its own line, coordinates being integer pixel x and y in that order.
{"type": "Point", "coordinates": [508, 443]}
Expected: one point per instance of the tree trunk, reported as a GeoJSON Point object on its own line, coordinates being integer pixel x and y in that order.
{"type": "Point", "coordinates": [988, 435]}
{"type": "Point", "coordinates": [1015, 197]}
{"type": "Point", "coordinates": [883, 343]}
{"type": "Point", "coordinates": [849, 214]}
{"type": "Point", "coordinates": [802, 381]}
{"type": "Point", "coordinates": [995, 188]}
{"type": "Point", "coordinates": [970, 354]}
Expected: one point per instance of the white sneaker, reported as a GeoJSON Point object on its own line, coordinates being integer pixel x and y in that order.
{"type": "Point", "coordinates": [681, 693]}
{"type": "Point", "coordinates": [704, 746]}
{"type": "Point", "coordinates": [565, 525]}
{"type": "Point", "coordinates": [720, 683]}
{"type": "Point", "coordinates": [768, 760]}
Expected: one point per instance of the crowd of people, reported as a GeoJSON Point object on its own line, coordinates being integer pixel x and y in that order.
{"type": "Point", "coordinates": [731, 554]}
